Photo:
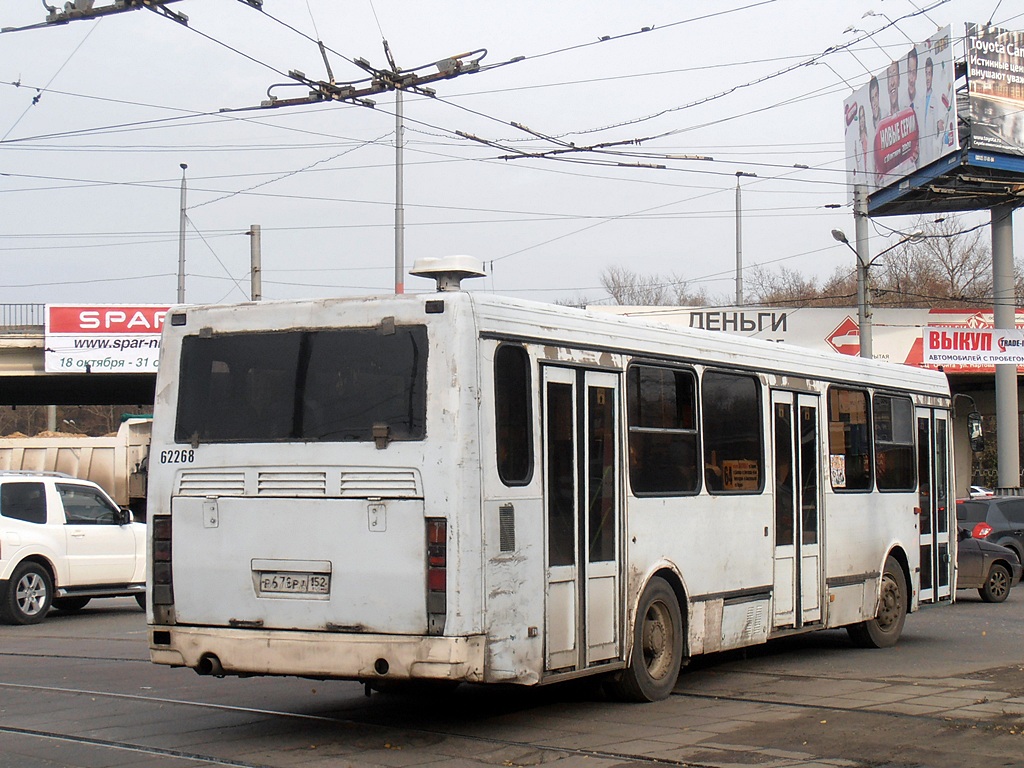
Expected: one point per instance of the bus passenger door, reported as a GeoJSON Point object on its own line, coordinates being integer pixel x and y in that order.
{"type": "Point", "coordinates": [797, 486]}
{"type": "Point", "coordinates": [934, 506]}
{"type": "Point", "coordinates": [582, 507]}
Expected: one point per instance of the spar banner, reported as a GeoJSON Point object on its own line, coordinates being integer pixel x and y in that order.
{"type": "Point", "coordinates": [995, 84]}
{"type": "Point", "coordinates": [904, 118]}
{"type": "Point", "coordinates": [973, 346]}
{"type": "Point", "coordinates": [103, 338]}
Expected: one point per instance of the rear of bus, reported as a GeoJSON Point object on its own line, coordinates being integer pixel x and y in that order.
{"type": "Point", "coordinates": [305, 470]}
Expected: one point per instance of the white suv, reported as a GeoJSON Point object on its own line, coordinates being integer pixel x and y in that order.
{"type": "Point", "coordinates": [62, 543]}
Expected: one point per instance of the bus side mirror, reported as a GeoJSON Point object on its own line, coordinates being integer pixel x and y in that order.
{"type": "Point", "coordinates": [974, 432]}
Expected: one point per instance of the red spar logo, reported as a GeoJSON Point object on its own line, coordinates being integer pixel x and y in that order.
{"type": "Point", "coordinates": [106, 319]}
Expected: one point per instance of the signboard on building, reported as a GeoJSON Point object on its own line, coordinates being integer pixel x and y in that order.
{"type": "Point", "coordinates": [995, 84]}
{"type": "Point", "coordinates": [905, 117]}
{"type": "Point", "coordinates": [103, 338]}
{"type": "Point", "coordinates": [897, 335]}
{"type": "Point", "coordinates": [973, 347]}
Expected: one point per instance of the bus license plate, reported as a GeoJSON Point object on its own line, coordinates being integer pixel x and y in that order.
{"type": "Point", "coordinates": [295, 583]}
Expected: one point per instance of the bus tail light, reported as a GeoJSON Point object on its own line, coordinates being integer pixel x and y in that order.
{"type": "Point", "coordinates": [163, 582]}
{"type": "Point", "coordinates": [437, 574]}
{"type": "Point", "coordinates": [981, 530]}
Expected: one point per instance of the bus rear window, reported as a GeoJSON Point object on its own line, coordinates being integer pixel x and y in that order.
{"type": "Point", "coordinates": [327, 385]}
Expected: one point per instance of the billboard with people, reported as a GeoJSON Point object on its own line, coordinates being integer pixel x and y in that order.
{"type": "Point", "coordinates": [995, 83]}
{"type": "Point", "coordinates": [905, 117]}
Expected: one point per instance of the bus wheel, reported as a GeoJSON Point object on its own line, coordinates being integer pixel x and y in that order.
{"type": "Point", "coordinates": [657, 647]}
{"type": "Point", "coordinates": [884, 630]}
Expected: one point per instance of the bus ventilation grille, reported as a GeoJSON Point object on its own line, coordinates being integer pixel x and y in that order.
{"type": "Point", "coordinates": [206, 483]}
{"type": "Point", "coordinates": [291, 483]}
{"type": "Point", "coordinates": [399, 483]}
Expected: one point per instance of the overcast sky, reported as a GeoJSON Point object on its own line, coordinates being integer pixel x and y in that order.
{"type": "Point", "coordinates": [97, 115]}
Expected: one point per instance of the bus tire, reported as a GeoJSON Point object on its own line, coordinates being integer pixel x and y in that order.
{"type": "Point", "coordinates": [657, 653]}
{"type": "Point", "coordinates": [884, 630]}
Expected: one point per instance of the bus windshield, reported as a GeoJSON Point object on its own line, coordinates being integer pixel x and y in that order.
{"type": "Point", "coordinates": [309, 385]}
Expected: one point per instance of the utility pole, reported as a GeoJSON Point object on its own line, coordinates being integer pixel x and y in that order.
{"type": "Point", "coordinates": [181, 240]}
{"type": "Point", "coordinates": [399, 198]}
{"type": "Point", "coordinates": [255, 268]}
{"type": "Point", "coordinates": [399, 179]}
{"type": "Point", "coordinates": [381, 81]}
{"type": "Point", "coordinates": [739, 238]}
{"type": "Point", "coordinates": [860, 221]}
{"type": "Point", "coordinates": [1005, 318]}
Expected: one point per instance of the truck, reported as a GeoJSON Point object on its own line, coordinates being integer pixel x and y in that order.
{"type": "Point", "coordinates": [117, 463]}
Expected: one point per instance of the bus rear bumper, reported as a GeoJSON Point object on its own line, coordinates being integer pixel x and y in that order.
{"type": "Point", "coordinates": [341, 656]}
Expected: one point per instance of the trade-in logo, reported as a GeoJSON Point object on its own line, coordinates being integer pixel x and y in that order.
{"type": "Point", "coordinates": [1005, 343]}
{"type": "Point", "coordinates": [845, 338]}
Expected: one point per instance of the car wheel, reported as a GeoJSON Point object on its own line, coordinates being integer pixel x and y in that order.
{"type": "Point", "coordinates": [885, 629]}
{"type": "Point", "coordinates": [657, 647]}
{"type": "Point", "coordinates": [997, 585]}
{"type": "Point", "coordinates": [28, 597]}
{"type": "Point", "coordinates": [70, 604]}
{"type": "Point", "coordinates": [140, 598]}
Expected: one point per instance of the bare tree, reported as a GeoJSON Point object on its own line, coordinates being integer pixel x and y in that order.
{"type": "Point", "coordinates": [949, 266]}
{"type": "Point", "coordinates": [92, 420]}
{"type": "Point", "coordinates": [946, 267]}
{"type": "Point", "coordinates": [779, 286]}
{"type": "Point", "coordinates": [787, 287]}
{"type": "Point", "coordinates": [630, 288]}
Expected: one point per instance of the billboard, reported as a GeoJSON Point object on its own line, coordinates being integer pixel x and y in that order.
{"type": "Point", "coordinates": [904, 118]}
{"type": "Point", "coordinates": [959, 340]}
{"type": "Point", "coordinates": [102, 338]}
{"type": "Point", "coordinates": [995, 85]}
{"type": "Point", "coordinates": [973, 347]}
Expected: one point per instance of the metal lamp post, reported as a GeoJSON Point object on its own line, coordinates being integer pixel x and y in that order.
{"type": "Point", "coordinates": [739, 237]}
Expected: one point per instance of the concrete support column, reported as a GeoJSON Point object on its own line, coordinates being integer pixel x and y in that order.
{"type": "Point", "coordinates": [1005, 317]}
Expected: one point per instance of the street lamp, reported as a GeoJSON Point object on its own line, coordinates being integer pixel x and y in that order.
{"type": "Point", "coordinates": [891, 24]}
{"type": "Point", "coordinates": [181, 239]}
{"type": "Point", "coordinates": [864, 290]}
{"type": "Point", "coordinates": [854, 30]}
{"type": "Point", "coordinates": [739, 238]}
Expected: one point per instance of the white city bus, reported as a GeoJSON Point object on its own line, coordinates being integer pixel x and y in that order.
{"type": "Point", "coordinates": [463, 487]}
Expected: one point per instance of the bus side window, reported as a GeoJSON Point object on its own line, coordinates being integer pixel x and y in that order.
{"type": "Point", "coordinates": [733, 440]}
{"type": "Point", "coordinates": [894, 443]}
{"type": "Point", "coordinates": [662, 410]}
{"type": "Point", "coordinates": [849, 439]}
{"type": "Point", "coordinates": [513, 416]}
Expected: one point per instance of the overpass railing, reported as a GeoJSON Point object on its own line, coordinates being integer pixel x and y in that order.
{"type": "Point", "coordinates": [20, 315]}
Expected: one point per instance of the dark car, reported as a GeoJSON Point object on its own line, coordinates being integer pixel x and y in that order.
{"type": "Point", "coordinates": [999, 519]}
{"type": "Point", "coordinates": [987, 567]}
